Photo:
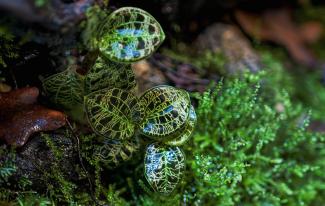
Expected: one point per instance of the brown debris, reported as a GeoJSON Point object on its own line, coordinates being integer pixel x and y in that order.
{"type": "Point", "coordinates": [160, 69]}
{"type": "Point", "coordinates": [311, 31]}
{"type": "Point", "coordinates": [147, 76]}
{"type": "Point", "coordinates": [181, 74]}
{"type": "Point", "coordinates": [20, 117]}
{"type": "Point", "coordinates": [228, 40]}
{"type": "Point", "coordinates": [277, 26]}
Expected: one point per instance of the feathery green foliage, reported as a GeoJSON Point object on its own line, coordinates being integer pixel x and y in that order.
{"type": "Point", "coordinates": [248, 151]}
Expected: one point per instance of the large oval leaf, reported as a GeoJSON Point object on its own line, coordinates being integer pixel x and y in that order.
{"type": "Point", "coordinates": [112, 112]}
{"type": "Point", "coordinates": [65, 88]}
{"type": "Point", "coordinates": [164, 167]}
{"type": "Point", "coordinates": [166, 113]}
{"type": "Point", "coordinates": [107, 74]}
{"type": "Point", "coordinates": [112, 153]}
{"type": "Point", "coordinates": [129, 34]}
{"type": "Point", "coordinates": [187, 132]}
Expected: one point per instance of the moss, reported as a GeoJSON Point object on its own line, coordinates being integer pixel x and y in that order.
{"type": "Point", "coordinates": [245, 146]}
{"type": "Point", "coordinates": [41, 3]}
{"type": "Point", "coordinates": [8, 49]}
{"type": "Point", "coordinates": [305, 86]}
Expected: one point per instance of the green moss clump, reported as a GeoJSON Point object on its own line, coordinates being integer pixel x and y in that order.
{"type": "Point", "coordinates": [248, 151]}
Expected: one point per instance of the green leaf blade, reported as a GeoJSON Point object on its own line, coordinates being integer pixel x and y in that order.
{"type": "Point", "coordinates": [130, 34]}
{"type": "Point", "coordinates": [65, 88]}
{"type": "Point", "coordinates": [164, 167]}
{"type": "Point", "coordinates": [187, 132]}
{"type": "Point", "coordinates": [113, 153]}
{"type": "Point", "coordinates": [111, 113]}
{"type": "Point", "coordinates": [107, 74]}
{"type": "Point", "coordinates": [166, 113]}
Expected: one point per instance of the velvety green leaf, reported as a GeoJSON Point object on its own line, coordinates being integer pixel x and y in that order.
{"type": "Point", "coordinates": [164, 167]}
{"type": "Point", "coordinates": [166, 112]}
{"type": "Point", "coordinates": [107, 74]}
{"type": "Point", "coordinates": [112, 113]}
{"type": "Point", "coordinates": [129, 34]}
{"type": "Point", "coordinates": [187, 132]}
{"type": "Point", "coordinates": [112, 153]}
{"type": "Point", "coordinates": [65, 88]}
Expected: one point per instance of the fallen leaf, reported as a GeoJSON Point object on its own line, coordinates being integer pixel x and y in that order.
{"type": "Point", "coordinates": [18, 98]}
{"type": "Point", "coordinates": [311, 31]}
{"type": "Point", "coordinates": [20, 117]}
{"type": "Point", "coordinates": [278, 26]}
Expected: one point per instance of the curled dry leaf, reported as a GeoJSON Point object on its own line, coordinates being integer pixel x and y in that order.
{"type": "Point", "coordinates": [181, 74]}
{"type": "Point", "coordinates": [277, 26]}
{"type": "Point", "coordinates": [311, 31]}
{"type": "Point", "coordinates": [20, 117]}
{"type": "Point", "coordinates": [18, 98]}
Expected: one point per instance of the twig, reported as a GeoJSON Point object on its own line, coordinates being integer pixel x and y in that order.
{"type": "Point", "coordinates": [13, 77]}
{"type": "Point", "coordinates": [81, 162]}
{"type": "Point", "coordinates": [54, 15]}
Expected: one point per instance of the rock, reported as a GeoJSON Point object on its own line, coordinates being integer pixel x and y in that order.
{"type": "Point", "coordinates": [232, 44]}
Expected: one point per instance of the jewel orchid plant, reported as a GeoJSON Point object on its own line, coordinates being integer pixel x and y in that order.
{"type": "Point", "coordinates": [106, 94]}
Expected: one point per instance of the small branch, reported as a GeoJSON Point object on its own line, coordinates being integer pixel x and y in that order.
{"type": "Point", "coordinates": [81, 162]}
{"type": "Point", "coordinates": [55, 15]}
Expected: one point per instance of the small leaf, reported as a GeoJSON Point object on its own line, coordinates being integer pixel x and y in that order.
{"type": "Point", "coordinates": [112, 153]}
{"type": "Point", "coordinates": [166, 113]}
{"type": "Point", "coordinates": [164, 167]}
{"type": "Point", "coordinates": [65, 88]}
{"type": "Point", "coordinates": [112, 113]}
{"type": "Point", "coordinates": [187, 132]}
{"type": "Point", "coordinates": [129, 34]}
{"type": "Point", "coordinates": [108, 74]}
